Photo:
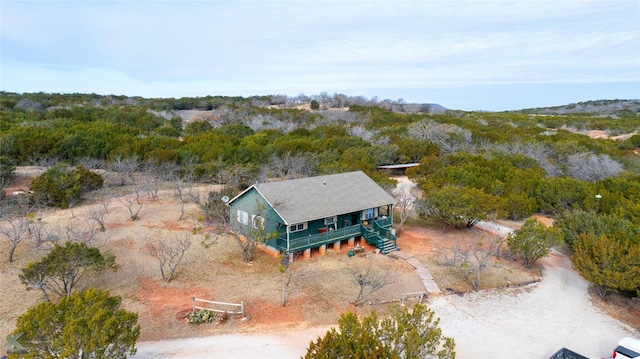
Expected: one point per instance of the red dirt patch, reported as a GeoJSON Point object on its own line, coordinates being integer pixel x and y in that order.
{"type": "Point", "coordinates": [556, 260]}
{"type": "Point", "coordinates": [160, 297]}
{"type": "Point", "coordinates": [544, 220]}
{"type": "Point", "coordinates": [119, 224]}
{"type": "Point", "coordinates": [266, 312]}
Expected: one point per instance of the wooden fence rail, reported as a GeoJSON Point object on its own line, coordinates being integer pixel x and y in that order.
{"type": "Point", "coordinates": [219, 307]}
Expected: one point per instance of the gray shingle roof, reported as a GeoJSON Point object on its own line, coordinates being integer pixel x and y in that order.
{"type": "Point", "coordinates": [305, 199]}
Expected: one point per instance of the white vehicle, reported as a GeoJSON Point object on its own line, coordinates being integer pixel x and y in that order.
{"type": "Point", "coordinates": [627, 348]}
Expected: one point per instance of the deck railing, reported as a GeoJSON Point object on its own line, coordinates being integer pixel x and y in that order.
{"type": "Point", "coordinates": [314, 240]}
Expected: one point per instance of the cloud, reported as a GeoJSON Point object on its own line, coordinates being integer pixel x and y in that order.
{"type": "Point", "coordinates": [265, 46]}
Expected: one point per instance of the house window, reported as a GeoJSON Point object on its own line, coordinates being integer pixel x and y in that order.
{"type": "Point", "coordinates": [258, 222]}
{"type": "Point", "coordinates": [242, 217]}
{"type": "Point", "coordinates": [369, 213]}
{"type": "Point", "coordinates": [330, 220]}
{"type": "Point", "coordinates": [297, 227]}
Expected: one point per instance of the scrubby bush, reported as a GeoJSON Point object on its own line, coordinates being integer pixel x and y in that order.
{"type": "Point", "coordinates": [61, 187]}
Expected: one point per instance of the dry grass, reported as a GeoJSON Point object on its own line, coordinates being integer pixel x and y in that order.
{"type": "Point", "coordinates": [215, 273]}
{"type": "Point", "coordinates": [318, 297]}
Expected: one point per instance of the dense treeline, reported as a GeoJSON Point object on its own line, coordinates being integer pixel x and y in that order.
{"type": "Point", "coordinates": [472, 165]}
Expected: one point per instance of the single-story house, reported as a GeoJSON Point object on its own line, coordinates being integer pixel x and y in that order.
{"type": "Point", "coordinates": [305, 213]}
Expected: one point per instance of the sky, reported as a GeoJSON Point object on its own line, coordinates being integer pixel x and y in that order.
{"type": "Point", "coordinates": [467, 55]}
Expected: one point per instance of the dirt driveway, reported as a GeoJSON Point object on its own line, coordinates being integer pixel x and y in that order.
{"type": "Point", "coordinates": [531, 322]}
{"type": "Point", "coordinates": [528, 322]}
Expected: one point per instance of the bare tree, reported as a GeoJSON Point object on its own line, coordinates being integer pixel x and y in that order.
{"type": "Point", "coordinates": [150, 186]}
{"type": "Point", "coordinates": [154, 174]}
{"type": "Point", "coordinates": [406, 205]}
{"type": "Point", "coordinates": [592, 168]}
{"type": "Point", "coordinates": [168, 253]}
{"type": "Point", "coordinates": [449, 138]}
{"type": "Point", "coordinates": [216, 206]}
{"type": "Point", "coordinates": [372, 278]}
{"type": "Point", "coordinates": [234, 176]}
{"type": "Point", "coordinates": [473, 259]}
{"type": "Point", "coordinates": [97, 214]}
{"type": "Point", "coordinates": [90, 163]}
{"type": "Point", "coordinates": [16, 230]}
{"type": "Point", "coordinates": [362, 132]}
{"type": "Point", "coordinates": [249, 232]}
{"type": "Point", "coordinates": [200, 199]}
{"type": "Point", "coordinates": [182, 183]}
{"type": "Point", "coordinates": [535, 150]}
{"type": "Point", "coordinates": [134, 204]}
{"type": "Point", "coordinates": [291, 273]}
{"type": "Point", "coordinates": [46, 236]}
{"type": "Point", "coordinates": [124, 168]}
{"type": "Point", "coordinates": [289, 166]}
{"type": "Point", "coordinates": [180, 191]}
{"type": "Point", "coordinates": [88, 234]}
{"type": "Point", "coordinates": [36, 226]}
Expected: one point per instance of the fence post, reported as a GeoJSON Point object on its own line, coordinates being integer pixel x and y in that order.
{"type": "Point", "coordinates": [242, 304]}
{"type": "Point", "coordinates": [194, 303]}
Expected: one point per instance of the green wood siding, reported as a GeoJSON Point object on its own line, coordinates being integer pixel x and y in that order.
{"type": "Point", "coordinates": [253, 204]}
{"type": "Point", "coordinates": [346, 226]}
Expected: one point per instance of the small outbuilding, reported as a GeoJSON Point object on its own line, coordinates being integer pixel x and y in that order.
{"type": "Point", "coordinates": [305, 213]}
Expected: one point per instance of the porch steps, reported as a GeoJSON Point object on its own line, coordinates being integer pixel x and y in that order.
{"type": "Point", "coordinates": [388, 246]}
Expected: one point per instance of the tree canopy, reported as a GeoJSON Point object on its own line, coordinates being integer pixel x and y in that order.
{"type": "Point", "coordinates": [611, 264]}
{"type": "Point", "coordinates": [63, 188]}
{"type": "Point", "coordinates": [533, 241]}
{"type": "Point", "coordinates": [458, 206]}
{"type": "Point", "coordinates": [61, 270]}
{"type": "Point", "coordinates": [406, 334]}
{"type": "Point", "coordinates": [87, 324]}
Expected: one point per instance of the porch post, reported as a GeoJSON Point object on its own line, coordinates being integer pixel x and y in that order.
{"type": "Point", "coordinates": [323, 249]}
{"type": "Point", "coordinates": [336, 246]}
{"type": "Point", "coordinates": [352, 241]}
{"type": "Point", "coordinates": [307, 253]}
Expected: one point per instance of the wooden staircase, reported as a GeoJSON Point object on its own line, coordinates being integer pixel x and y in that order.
{"type": "Point", "coordinates": [385, 245]}
{"type": "Point", "coordinates": [388, 246]}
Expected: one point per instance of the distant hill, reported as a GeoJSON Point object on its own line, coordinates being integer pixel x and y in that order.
{"type": "Point", "coordinates": [599, 108]}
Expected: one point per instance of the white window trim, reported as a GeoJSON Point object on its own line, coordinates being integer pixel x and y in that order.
{"type": "Point", "coordinates": [304, 226]}
{"type": "Point", "coordinates": [330, 220]}
{"type": "Point", "coordinates": [242, 217]}
{"type": "Point", "coordinates": [257, 219]}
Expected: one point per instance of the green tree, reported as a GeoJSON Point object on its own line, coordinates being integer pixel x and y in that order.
{"type": "Point", "coordinates": [63, 188]}
{"type": "Point", "coordinates": [89, 324]}
{"type": "Point", "coordinates": [315, 105]}
{"type": "Point", "coordinates": [611, 264]}
{"type": "Point", "coordinates": [404, 334]}
{"type": "Point", "coordinates": [457, 206]}
{"type": "Point", "coordinates": [533, 241]}
{"type": "Point", "coordinates": [7, 166]}
{"type": "Point", "coordinates": [555, 195]}
{"type": "Point", "coordinates": [577, 222]}
{"type": "Point", "coordinates": [518, 205]}
{"type": "Point", "coordinates": [61, 270]}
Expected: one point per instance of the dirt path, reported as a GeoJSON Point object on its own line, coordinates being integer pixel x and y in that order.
{"type": "Point", "coordinates": [530, 322]}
